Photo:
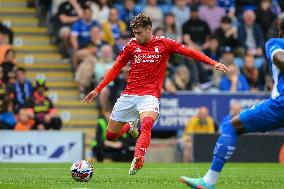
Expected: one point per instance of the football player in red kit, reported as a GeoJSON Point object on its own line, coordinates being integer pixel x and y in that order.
{"type": "Point", "coordinates": [148, 55]}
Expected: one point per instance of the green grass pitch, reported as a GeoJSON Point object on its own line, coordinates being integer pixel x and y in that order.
{"type": "Point", "coordinates": [152, 176]}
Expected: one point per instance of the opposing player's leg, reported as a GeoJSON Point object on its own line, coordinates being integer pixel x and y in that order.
{"type": "Point", "coordinates": [143, 142]}
{"type": "Point", "coordinates": [263, 117]}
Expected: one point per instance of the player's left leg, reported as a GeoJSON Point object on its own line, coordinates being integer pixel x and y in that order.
{"type": "Point", "coordinates": [263, 117]}
{"type": "Point", "coordinates": [148, 108]}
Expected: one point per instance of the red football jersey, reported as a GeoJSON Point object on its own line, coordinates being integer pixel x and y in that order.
{"type": "Point", "coordinates": [148, 64]}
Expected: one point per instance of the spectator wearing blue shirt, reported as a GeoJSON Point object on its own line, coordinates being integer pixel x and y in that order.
{"type": "Point", "coordinates": [128, 12]}
{"type": "Point", "coordinates": [7, 119]}
{"type": "Point", "coordinates": [80, 35]}
{"type": "Point", "coordinates": [235, 109]}
{"type": "Point", "coordinates": [233, 81]}
{"type": "Point", "coordinates": [23, 90]}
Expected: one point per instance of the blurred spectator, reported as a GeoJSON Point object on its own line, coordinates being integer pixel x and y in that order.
{"type": "Point", "coordinates": [254, 76]}
{"type": "Point", "coordinates": [7, 118]}
{"type": "Point", "coordinates": [227, 34]}
{"type": "Point", "coordinates": [123, 40]}
{"type": "Point", "coordinates": [250, 34]}
{"type": "Point", "coordinates": [91, 67]}
{"type": "Point", "coordinates": [201, 123]}
{"type": "Point", "coordinates": [155, 13]}
{"type": "Point", "coordinates": [229, 6]}
{"type": "Point", "coordinates": [212, 14]}
{"type": "Point", "coordinates": [212, 48]}
{"type": "Point", "coordinates": [80, 35]}
{"type": "Point", "coordinates": [104, 63]}
{"type": "Point", "coordinates": [25, 120]}
{"type": "Point", "coordinates": [23, 90]}
{"type": "Point", "coordinates": [45, 113]}
{"type": "Point", "coordinates": [233, 81]}
{"type": "Point", "coordinates": [118, 150]}
{"type": "Point", "coordinates": [128, 12]}
{"type": "Point", "coordinates": [181, 79]}
{"type": "Point", "coordinates": [159, 32]}
{"type": "Point", "coordinates": [8, 64]}
{"type": "Point", "coordinates": [235, 109]}
{"type": "Point", "coordinates": [182, 13]}
{"type": "Point", "coordinates": [3, 46]}
{"type": "Point", "coordinates": [170, 27]}
{"type": "Point", "coordinates": [92, 48]}
{"type": "Point", "coordinates": [100, 10]}
{"type": "Point", "coordinates": [112, 92]}
{"type": "Point", "coordinates": [195, 31]}
{"type": "Point", "coordinates": [264, 16]}
{"type": "Point", "coordinates": [7, 31]}
{"type": "Point", "coordinates": [273, 30]}
{"type": "Point", "coordinates": [113, 27]}
{"type": "Point", "coordinates": [68, 13]}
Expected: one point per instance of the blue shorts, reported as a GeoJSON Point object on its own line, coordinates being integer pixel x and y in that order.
{"type": "Point", "coordinates": [266, 116]}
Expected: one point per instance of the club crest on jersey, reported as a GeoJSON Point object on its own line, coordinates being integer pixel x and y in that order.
{"type": "Point", "coordinates": [156, 49]}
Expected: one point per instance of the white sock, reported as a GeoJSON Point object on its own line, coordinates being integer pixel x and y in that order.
{"type": "Point", "coordinates": [211, 177]}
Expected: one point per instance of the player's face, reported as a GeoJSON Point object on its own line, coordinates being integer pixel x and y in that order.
{"type": "Point", "coordinates": [143, 35]}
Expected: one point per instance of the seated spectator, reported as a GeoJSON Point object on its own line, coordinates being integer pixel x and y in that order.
{"type": "Point", "coordinates": [155, 13]}
{"type": "Point", "coordinates": [128, 12]}
{"type": "Point", "coordinates": [235, 109]}
{"type": "Point", "coordinates": [93, 48]}
{"type": "Point", "coordinates": [7, 118]}
{"type": "Point", "coordinates": [181, 79]}
{"type": "Point", "coordinates": [113, 27]}
{"type": "Point", "coordinates": [227, 34]}
{"type": "Point", "coordinates": [195, 31]}
{"type": "Point", "coordinates": [7, 31]}
{"type": "Point", "coordinates": [112, 92]}
{"type": "Point", "coordinates": [25, 120]}
{"type": "Point", "coordinates": [182, 13]}
{"type": "Point", "coordinates": [264, 16]}
{"type": "Point", "coordinates": [212, 48]}
{"type": "Point", "coordinates": [119, 150]}
{"type": "Point", "coordinates": [233, 81]}
{"type": "Point", "coordinates": [80, 35]}
{"type": "Point", "coordinates": [45, 113]}
{"type": "Point", "coordinates": [100, 10]}
{"type": "Point", "coordinates": [170, 28]}
{"type": "Point", "coordinates": [211, 13]}
{"type": "Point", "coordinates": [250, 34]}
{"type": "Point", "coordinates": [8, 64]}
{"type": "Point", "coordinates": [22, 89]}
{"type": "Point", "coordinates": [254, 76]}
{"type": "Point", "coordinates": [68, 13]}
{"type": "Point", "coordinates": [201, 123]}
{"type": "Point", "coordinates": [3, 46]}
{"type": "Point", "coordinates": [123, 40]}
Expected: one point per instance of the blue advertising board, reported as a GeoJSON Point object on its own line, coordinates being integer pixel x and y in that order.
{"type": "Point", "coordinates": [177, 109]}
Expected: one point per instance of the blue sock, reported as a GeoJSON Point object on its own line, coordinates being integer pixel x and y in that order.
{"type": "Point", "coordinates": [225, 147]}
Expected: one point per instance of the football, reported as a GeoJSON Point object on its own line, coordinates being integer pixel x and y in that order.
{"type": "Point", "coordinates": [82, 171]}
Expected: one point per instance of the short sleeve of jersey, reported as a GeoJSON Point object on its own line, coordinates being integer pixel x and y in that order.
{"type": "Point", "coordinates": [271, 47]}
{"type": "Point", "coordinates": [76, 28]}
{"type": "Point", "coordinates": [173, 46]}
{"type": "Point", "coordinates": [125, 54]}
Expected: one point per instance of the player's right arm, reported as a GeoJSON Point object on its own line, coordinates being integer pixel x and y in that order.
{"type": "Point", "coordinates": [122, 59]}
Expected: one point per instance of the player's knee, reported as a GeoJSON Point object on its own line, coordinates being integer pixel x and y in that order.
{"type": "Point", "coordinates": [111, 136]}
{"type": "Point", "coordinates": [147, 123]}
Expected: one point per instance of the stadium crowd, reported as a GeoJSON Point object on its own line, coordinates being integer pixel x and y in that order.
{"type": "Point", "coordinates": [91, 33]}
{"type": "Point", "coordinates": [23, 106]}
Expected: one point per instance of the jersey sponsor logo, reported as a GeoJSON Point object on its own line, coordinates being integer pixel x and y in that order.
{"type": "Point", "coordinates": [143, 58]}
